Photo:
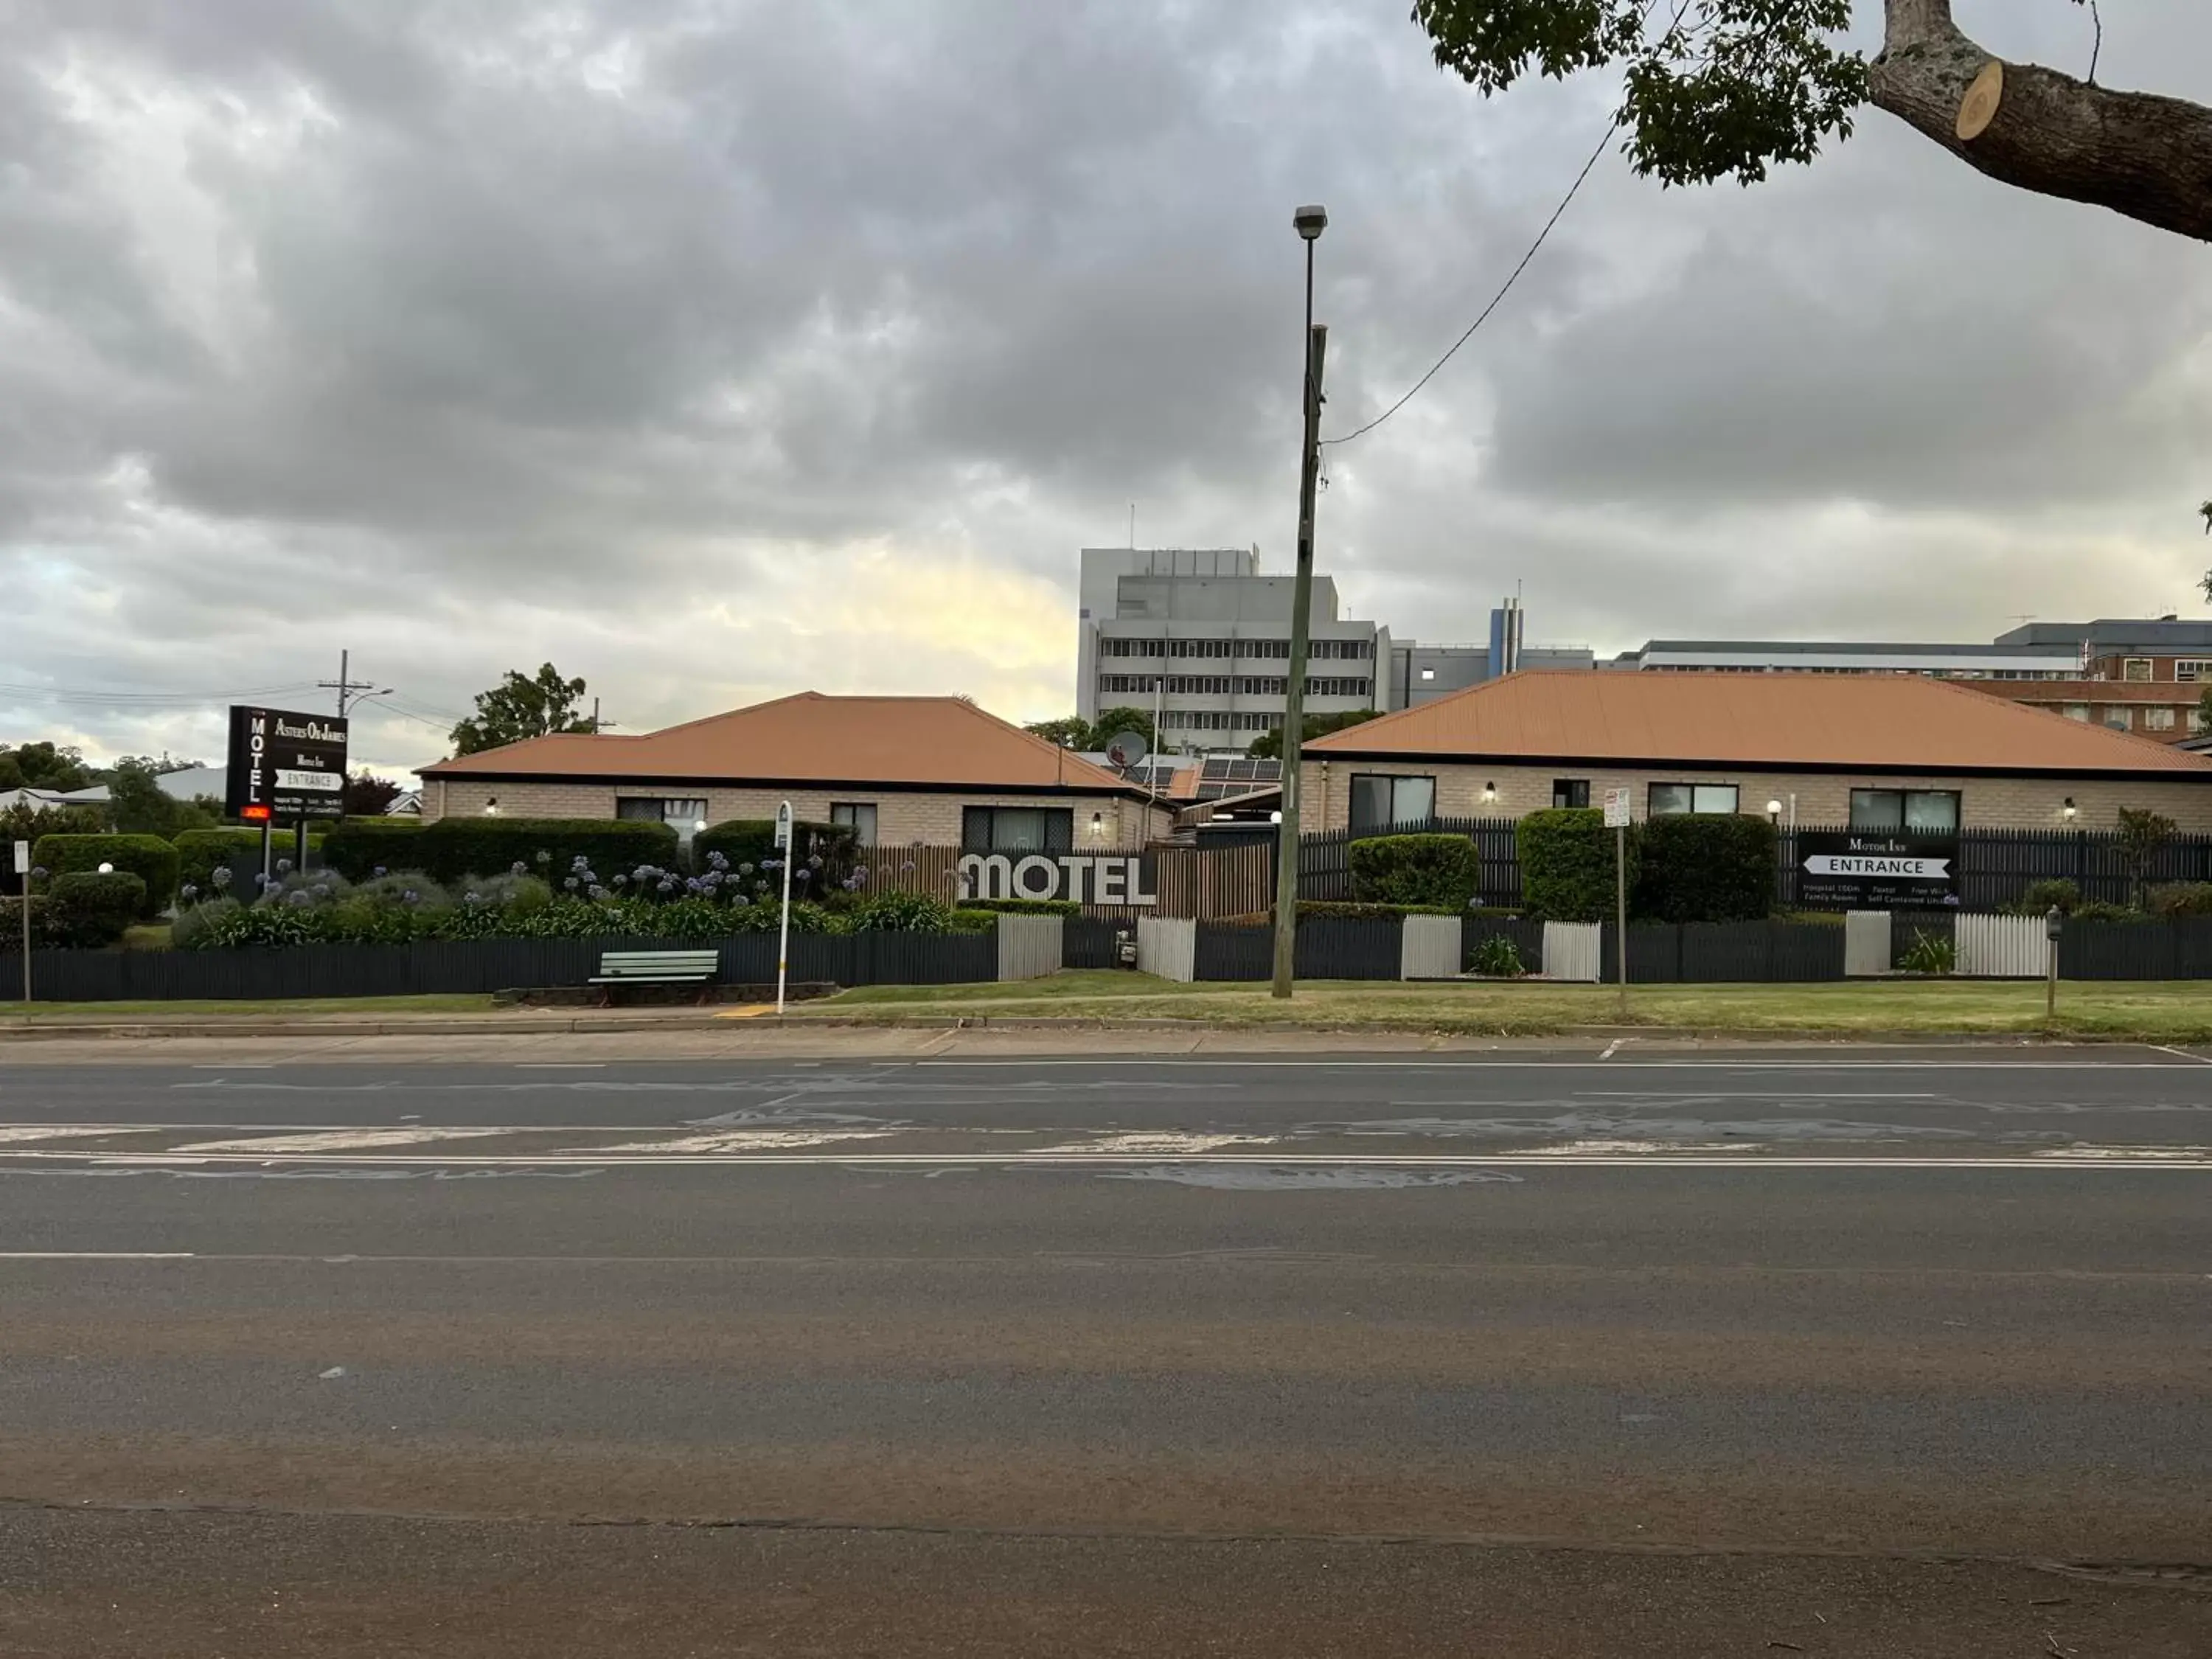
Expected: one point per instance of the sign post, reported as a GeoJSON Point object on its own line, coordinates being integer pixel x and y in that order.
{"type": "Point", "coordinates": [783, 839]}
{"type": "Point", "coordinates": [2053, 922]}
{"type": "Point", "coordinates": [1877, 870]}
{"type": "Point", "coordinates": [23, 869]}
{"type": "Point", "coordinates": [1616, 819]}
{"type": "Point", "coordinates": [284, 765]}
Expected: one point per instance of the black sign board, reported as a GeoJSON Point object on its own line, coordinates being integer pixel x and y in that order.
{"type": "Point", "coordinates": [285, 766]}
{"type": "Point", "coordinates": [1876, 870]}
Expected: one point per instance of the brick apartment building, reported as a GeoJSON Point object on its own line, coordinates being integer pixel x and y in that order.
{"type": "Point", "coordinates": [901, 771]}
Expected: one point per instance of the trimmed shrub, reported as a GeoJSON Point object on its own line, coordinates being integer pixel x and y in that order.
{"type": "Point", "coordinates": [1567, 864]}
{"type": "Point", "coordinates": [2099, 910]}
{"type": "Point", "coordinates": [1352, 910]}
{"type": "Point", "coordinates": [454, 849]}
{"type": "Point", "coordinates": [149, 857]}
{"type": "Point", "coordinates": [1705, 867]}
{"type": "Point", "coordinates": [752, 840]}
{"type": "Point", "coordinates": [1020, 907]}
{"type": "Point", "coordinates": [11, 933]}
{"type": "Point", "coordinates": [357, 847]}
{"type": "Point", "coordinates": [201, 852]}
{"type": "Point", "coordinates": [2181, 898]}
{"type": "Point", "coordinates": [1440, 870]}
{"type": "Point", "coordinates": [90, 911]}
{"type": "Point", "coordinates": [2038, 896]}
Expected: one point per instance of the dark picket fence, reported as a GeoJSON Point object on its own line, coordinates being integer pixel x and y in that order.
{"type": "Point", "coordinates": [1328, 947]}
{"type": "Point", "coordinates": [482, 966]}
{"type": "Point", "coordinates": [2181, 949]}
{"type": "Point", "coordinates": [1996, 866]}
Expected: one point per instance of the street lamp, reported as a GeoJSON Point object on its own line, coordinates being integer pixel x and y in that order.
{"type": "Point", "coordinates": [1308, 221]}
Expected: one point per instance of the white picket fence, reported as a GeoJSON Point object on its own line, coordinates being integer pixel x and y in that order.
{"type": "Point", "coordinates": [1574, 951]}
{"type": "Point", "coordinates": [2001, 947]}
{"type": "Point", "coordinates": [1168, 946]}
{"type": "Point", "coordinates": [1429, 948]}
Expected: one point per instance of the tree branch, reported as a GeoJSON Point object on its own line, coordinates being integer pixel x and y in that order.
{"type": "Point", "coordinates": [2141, 154]}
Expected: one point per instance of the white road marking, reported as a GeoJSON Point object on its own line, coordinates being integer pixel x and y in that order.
{"type": "Point", "coordinates": [97, 1256]}
{"type": "Point", "coordinates": [1250, 1063]}
{"type": "Point", "coordinates": [2184, 1053]}
{"type": "Point", "coordinates": [742, 1140]}
{"type": "Point", "coordinates": [337, 1140]}
{"type": "Point", "coordinates": [1154, 1142]}
{"type": "Point", "coordinates": [1719, 1094]}
{"type": "Point", "coordinates": [2097, 1154]}
{"type": "Point", "coordinates": [2192, 1159]}
{"type": "Point", "coordinates": [1612, 1047]}
{"type": "Point", "coordinates": [560, 1066]}
{"type": "Point", "coordinates": [12, 1132]}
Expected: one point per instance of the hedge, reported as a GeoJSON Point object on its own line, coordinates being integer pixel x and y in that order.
{"type": "Point", "coordinates": [149, 857]}
{"type": "Point", "coordinates": [752, 840]}
{"type": "Point", "coordinates": [451, 849]}
{"type": "Point", "coordinates": [1713, 866]}
{"type": "Point", "coordinates": [89, 910]}
{"type": "Point", "coordinates": [1353, 910]}
{"type": "Point", "coordinates": [1022, 906]}
{"type": "Point", "coordinates": [1441, 870]}
{"type": "Point", "coordinates": [1567, 864]}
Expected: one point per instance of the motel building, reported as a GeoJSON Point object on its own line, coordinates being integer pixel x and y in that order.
{"type": "Point", "coordinates": [1900, 753]}
{"type": "Point", "coordinates": [900, 771]}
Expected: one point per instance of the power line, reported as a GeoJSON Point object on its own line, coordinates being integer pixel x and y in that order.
{"type": "Point", "coordinates": [1496, 298]}
{"type": "Point", "coordinates": [146, 699]}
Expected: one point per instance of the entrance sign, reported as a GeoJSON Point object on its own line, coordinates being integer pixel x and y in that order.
{"type": "Point", "coordinates": [1860, 870]}
{"type": "Point", "coordinates": [1616, 809]}
{"type": "Point", "coordinates": [22, 858]}
{"type": "Point", "coordinates": [1085, 878]}
{"type": "Point", "coordinates": [284, 766]}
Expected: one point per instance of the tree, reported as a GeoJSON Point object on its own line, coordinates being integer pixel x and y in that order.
{"type": "Point", "coordinates": [367, 796]}
{"type": "Point", "coordinates": [1113, 722]}
{"type": "Point", "coordinates": [1069, 731]}
{"type": "Point", "coordinates": [2142, 834]}
{"type": "Point", "coordinates": [1268, 745]}
{"type": "Point", "coordinates": [138, 806]}
{"type": "Point", "coordinates": [1721, 89]}
{"type": "Point", "coordinates": [43, 766]}
{"type": "Point", "coordinates": [518, 707]}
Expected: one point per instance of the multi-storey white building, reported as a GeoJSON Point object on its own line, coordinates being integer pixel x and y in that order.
{"type": "Point", "coordinates": [1199, 637]}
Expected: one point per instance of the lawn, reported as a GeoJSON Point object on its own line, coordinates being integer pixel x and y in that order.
{"type": "Point", "coordinates": [2159, 1012]}
{"type": "Point", "coordinates": [302, 1007]}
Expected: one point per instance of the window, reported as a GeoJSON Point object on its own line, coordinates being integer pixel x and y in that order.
{"type": "Point", "coordinates": [1382, 802]}
{"type": "Point", "coordinates": [1570, 791]}
{"type": "Point", "coordinates": [2158, 719]}
{"type": "Point", "coordinates": [2117, 717]}
{"type": "Point", "coordinates": [2191, 668]}
{"type": "Point", "coordinates": [1017, 829]}
{"type": "Point", "coordinates": [1672, 799]}
{"type": "Point", "coordinates": [1917, 812]}
{"type": "Point", "coordinates": [2136, 668]}
{"type": "Point", "coordinates": [683, 814]}
{"type": "Point", "coordinates": [2074, 711]}
{"type": "Point", "coordinates": [860, 815]}
{"type": "Point", "coordinates": [1428, 673]}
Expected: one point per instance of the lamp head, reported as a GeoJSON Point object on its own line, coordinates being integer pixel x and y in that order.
{"type": "Point", "coordinates": [1310, 220]}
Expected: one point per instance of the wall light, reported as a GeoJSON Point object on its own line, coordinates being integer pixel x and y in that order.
{"type": "Point", "coordinates": [698, 824]}
{"type": "Point", "coordinates": [1490, 791]}
{"type": "Point", "coordinates": [1098, 826]}
{"type": "Point", "coordinates": [492, 806]}
{"type": "Point", "coordinates": [1774, 809]}
{"type": "Point", "coordinates": [2070, 810]}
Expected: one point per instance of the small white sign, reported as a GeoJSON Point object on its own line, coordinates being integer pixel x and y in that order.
{"type": "Point", "coordinates": [1865, 863]}
{"type": "Point", "coordinates": [783, 824]}
{"type": "Point", "coordinates": [1616, 809]}
{"type": "Point", "coordinates": [22, 858]}
{"type": "Point", "coordinates": [331, 782]}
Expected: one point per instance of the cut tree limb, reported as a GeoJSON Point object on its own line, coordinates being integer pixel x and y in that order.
{"type": "Point", "coordinates": [2141, 154]}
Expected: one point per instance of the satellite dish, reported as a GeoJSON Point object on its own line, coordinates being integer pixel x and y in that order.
{"type": "Point", "coordinates": [1126, 749]}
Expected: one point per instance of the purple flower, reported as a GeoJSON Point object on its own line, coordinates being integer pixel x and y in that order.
{"type": "Point", "coordinates": [378, 872]}
{"type": "Point", "coordinates": [666, 886]}
{"type": "Point", "coordinates": [40, 873]}
{"type": "Point", "coordinates": [622, 881]}
{"type": "Point", "coordinates": [571, 884]}
{"type": "Point", "coordinates": [410, 897]}
{"type": "Point", "coordinates": [190, 890]}
{"type": "Point", "coordinates": [744, 869]}
{"type": "Point", "coordinates": [298, 901]}
{"type": "Point", "coordinates": [518, 868]}
{"type": "Point", "coordinates": [599, 894]}
{"type": "Point", "coordinates": [283, 866]}
{"type": "Point", "coordinates": [544, 857]}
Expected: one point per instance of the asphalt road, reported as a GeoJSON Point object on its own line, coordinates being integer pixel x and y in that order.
{"type": "Point", "coordinates": [1831, 1351]}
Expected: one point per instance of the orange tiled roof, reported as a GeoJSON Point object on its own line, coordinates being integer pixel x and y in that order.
{"type": "Point", "coordinates": [894, 741]}
{"type": "Point", "coordinates": [1893, 723]}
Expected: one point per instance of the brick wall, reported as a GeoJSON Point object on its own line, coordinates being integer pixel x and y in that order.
{"type": "Point", "coordinates": [902, 817]}
{"type": "Point", "coordinates": [1984, 802]}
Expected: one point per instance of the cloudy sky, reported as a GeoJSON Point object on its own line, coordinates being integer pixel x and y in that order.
{"type": "Point", "coordinates": [718, 349]}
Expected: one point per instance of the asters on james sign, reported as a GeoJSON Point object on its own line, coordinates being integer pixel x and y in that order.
{"type": "Point", "coordinates": [1872, 869]}
{"type": "Point", "coordinates": [285, 766]}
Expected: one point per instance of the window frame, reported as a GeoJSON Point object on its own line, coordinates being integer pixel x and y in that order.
{"type": "Point", "coordinates": [2128, 666]}
{"type": "Point", "coordinates": [1391, 781]}
{"type": "Point", "coordinates": [1575, 791]}
{"type": "Point", "coordinates": [2159, 717]}
{"type": "Point", "coordinates": [1694, 811]}
{"type": "Point", "coordinates": [1905, 826]}
{"type": "Point", "coordinates": [1060, 818]}
{"type": "Point", "coordinates": [854, 808]}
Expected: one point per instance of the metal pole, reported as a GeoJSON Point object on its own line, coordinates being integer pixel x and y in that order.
{"type": "Point", "coordinates": [1620, 911]}
{"type": "Point", "coordinates": [2051, 925]}
{"type": "Point", "coordinates": [267, 824]}
{"type": "Point", "coordinates": [23, 870]}
{"type": "Point", "coordinates": [345, 678]}
{"type": "Point", "coordinates": [783, 933]}
{"type": "Point", "coordinates": [1294, 699]}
